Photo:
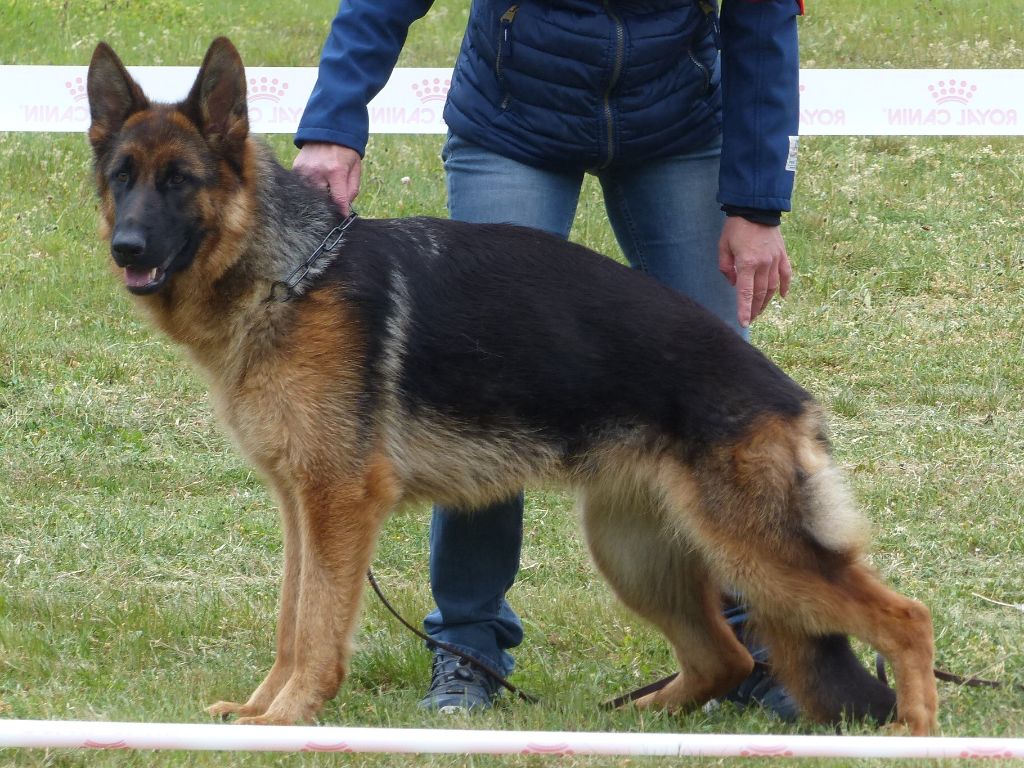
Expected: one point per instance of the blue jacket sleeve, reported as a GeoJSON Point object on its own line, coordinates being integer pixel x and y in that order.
{"type": "Point", "coordinates": [760, 103]}
{"type": "Point", "coordinates": [359, 56]}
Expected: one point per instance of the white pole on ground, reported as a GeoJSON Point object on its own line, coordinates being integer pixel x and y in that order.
{"type": "Point", "coordinates": [196, 736]}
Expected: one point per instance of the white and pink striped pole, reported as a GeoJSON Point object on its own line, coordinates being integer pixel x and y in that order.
{"type": "Point", "coordinates": [194, 736]}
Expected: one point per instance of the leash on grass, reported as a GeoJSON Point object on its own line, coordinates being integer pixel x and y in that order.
{"type": "Point", "coordinates": [632, 696]}
{"type": "Point", "coordinates": [940, 674]}
{"type": "Point", "coordinates": [950, 677]}
{"type": "Point", "coordinates": [449, 648]}
{"type": "Point", "coordinates": [614, 704]}
{"type": "Point", "coordinates": [657, 685]}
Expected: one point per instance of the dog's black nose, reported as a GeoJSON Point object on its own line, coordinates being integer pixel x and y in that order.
{"type": "Point", "coordinates": [127, 246]}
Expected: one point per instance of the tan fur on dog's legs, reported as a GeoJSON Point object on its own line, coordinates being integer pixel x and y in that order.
{"type": "Point", "coordinates": [712, 661]}
{"type": "Point", "coordinates": [284, 658]}
{"type": "Point", "coordinates": [792, 602]}
{"type": "Point", "coordinates": [657, 575]}
{"type": "Point", "coordinates": [777, 522]}
{"type": "Point", "coordinates": [338, 530]}
{"type": "Point", "coordinates": [856, 602]}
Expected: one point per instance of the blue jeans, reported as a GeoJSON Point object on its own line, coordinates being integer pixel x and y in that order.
{"type": "Point", "coordinates": [667, 221]}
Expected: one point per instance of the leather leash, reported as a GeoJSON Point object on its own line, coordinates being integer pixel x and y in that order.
{"type": "Point", "coordinates": [486, 668]}
{"type": "Point", "coordinates": [949, 677]}
{"type": "Point", "coordinates": [626, 698]}
{"type": "Point", "coordinates": [632, 696]}
{"type": "Point", "coordinates": [940, 674]}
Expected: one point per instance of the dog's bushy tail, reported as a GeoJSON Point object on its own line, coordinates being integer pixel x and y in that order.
{"type": "Point", "coordinates": [827, 679]}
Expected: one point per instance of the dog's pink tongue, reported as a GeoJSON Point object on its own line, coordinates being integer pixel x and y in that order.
{"type": "Point", "coordinates": [134, 277]}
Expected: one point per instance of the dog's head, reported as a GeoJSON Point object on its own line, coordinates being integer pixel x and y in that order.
{"type": "Point", "coordinates": [163, 172]}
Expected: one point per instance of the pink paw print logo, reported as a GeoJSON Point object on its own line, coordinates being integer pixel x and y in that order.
{"type": "Point", "coordinates": [266, 89]}
{"type": "Point", "coordinates": [428, 89]}
{"type": "Point", "coordinates": [997, 753]}
{"type": "Point", "coordinates": [76, 88]}
{"type": "Point", "coordinates": [959, 91]}
{"type": "Point", "coordinates": [766, 750]}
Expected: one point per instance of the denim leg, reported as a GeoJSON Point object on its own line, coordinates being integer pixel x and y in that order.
{"type": "Point", "coordinates": [474, 557]}
{"type": "Point", "coordinates": [487, 188]}
{"type": "Point", "coordinates": [668, 222]}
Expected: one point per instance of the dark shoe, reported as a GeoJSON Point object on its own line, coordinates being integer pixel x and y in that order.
{"type": "Point", "coordinates": [456, 686]}
{"type": "Point", "coordinates": [760, 688]}
{"type": "Point", "coordinates": [763, 690]}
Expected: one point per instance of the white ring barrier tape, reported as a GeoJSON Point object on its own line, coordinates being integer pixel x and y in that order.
{"type": "Point", "coordinates": [851, 102]}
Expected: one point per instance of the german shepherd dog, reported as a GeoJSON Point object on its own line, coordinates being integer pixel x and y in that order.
{"type": "Point", "coordinates": [435, 360]}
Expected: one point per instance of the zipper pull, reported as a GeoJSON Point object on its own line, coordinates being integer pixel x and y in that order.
{"type": "Point", "coordinates": [506, 32]}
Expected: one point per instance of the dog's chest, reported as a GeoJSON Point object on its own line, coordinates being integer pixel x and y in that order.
{"type": "Point", "coordinates": [285, 421]}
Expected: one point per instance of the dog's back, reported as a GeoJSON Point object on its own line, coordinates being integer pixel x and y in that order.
{"type": "Point", "coordinates": [500, 330]}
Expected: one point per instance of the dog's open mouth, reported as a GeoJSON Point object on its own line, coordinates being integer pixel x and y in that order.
{"type": "Point", "coordinates": [143, 280]}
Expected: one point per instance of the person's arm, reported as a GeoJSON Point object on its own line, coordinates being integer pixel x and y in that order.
{"type": "Point", "coordinates": [760, 117]}
{"type": "Point", "coordinates": [358, 57]}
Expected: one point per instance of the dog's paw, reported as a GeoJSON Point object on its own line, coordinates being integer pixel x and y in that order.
{"type": "Point", "coordinates": [674, 696]}
{"type": "Point", "coordinates": [909, 729]}
{"type": "Point", "coordinates": [265, 720]}
{"type": "Point", "coordinates": [895, 728]}
{"type": "Point", "coordinates": [225, 709]}
{"type": "Point", "coordinates": [650, 702]}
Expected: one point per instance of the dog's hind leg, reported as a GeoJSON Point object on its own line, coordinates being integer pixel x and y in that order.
{"type": "Point", "coordinates": [656, 574]}
{"type": "Point", "coordinates": [807, 606]}
{"type": "Point", "coordinates": [778, 523]}
{"type": "Point", "coordinates": [284, 658]}
{"type": "Point", "coordinates": [821, 671]}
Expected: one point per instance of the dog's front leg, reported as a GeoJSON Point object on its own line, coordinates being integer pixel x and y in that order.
{"type": "Point", "coordinates": [338, 525]}
{"type": "Point", "coordinates": [284, 659]}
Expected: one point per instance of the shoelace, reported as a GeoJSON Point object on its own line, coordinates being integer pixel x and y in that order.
{"type": "Point", "coordinates": [459, 672]}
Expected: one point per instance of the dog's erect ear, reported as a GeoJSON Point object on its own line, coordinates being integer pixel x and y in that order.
{"type": "Point", "coordinates": [216, 103]}
{"type": "Point", "coordinates": [113, 96]}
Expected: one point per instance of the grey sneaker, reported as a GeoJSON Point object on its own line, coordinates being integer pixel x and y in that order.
{"type": "Point", "coordinates": [456, 686]}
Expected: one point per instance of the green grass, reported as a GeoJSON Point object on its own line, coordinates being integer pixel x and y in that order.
{"type": "Point", "coordinates": [140, 556]}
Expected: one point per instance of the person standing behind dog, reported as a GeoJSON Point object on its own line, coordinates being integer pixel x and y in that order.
{"type": "Point", "coordinates": [687, 117]}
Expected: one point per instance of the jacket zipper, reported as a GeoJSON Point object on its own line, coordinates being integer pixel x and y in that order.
{"type": "Point", "coordinates": [620, 53]}
{"type": "Point", "coordinates": [505, 49]}
{"type": "Point", "coordinates": [701, 67]}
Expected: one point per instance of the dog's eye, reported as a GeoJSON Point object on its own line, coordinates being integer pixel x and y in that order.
{"type": "Point", "coordinates": [121, 177]}
{"type": "Point", "coordinates": [176, 178]}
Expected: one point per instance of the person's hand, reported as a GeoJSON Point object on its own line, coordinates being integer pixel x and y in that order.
{"type": "Point", "coordinates": [753, 258]}
{"type": "Point", "coordinates": [332, 167]}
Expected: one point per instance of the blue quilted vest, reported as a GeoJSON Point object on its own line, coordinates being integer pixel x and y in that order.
{"type": "Point", "coordinates": [582, 84]}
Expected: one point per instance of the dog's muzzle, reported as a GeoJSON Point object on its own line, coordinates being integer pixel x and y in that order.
{"type": "Point", "coordinates": [128, 249]}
